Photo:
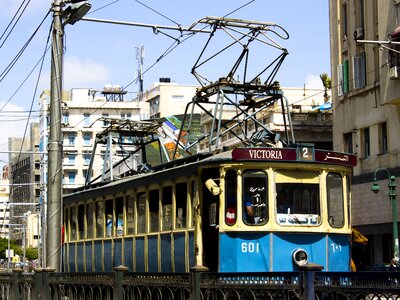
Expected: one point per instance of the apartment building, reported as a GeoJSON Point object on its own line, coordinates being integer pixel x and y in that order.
{"type": "Point", "coordinates": [85, 112]}
{"type": "Point", "coordinates": [311, 124]}
{"type": "Point", "coordinates": [4, 200]}
{"type": "Point", "coordinates": [166, 98]}
{"type": "Point", "coordinates": [366, 97]}
{"type": "Point", "coordinates": [25, 188]}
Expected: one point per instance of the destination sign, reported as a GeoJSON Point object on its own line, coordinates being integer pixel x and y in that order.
{"type": "Point", "coordinates": [264, 154]}
{"type": "Point", "coordinates": [335, 158]}
{"type": "Point", "coordinates": [291, 154]}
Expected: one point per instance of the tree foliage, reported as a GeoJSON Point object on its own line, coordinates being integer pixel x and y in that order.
{"type": "Point", "coordinates": [14, 246]}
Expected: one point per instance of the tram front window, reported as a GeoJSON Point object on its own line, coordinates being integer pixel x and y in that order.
{"type": "Point", "coordinates": [297, 197]}
{"type": "Point", "coordinates": [254, 198]}
{"type": "Point", "coordinates": [334, 189]}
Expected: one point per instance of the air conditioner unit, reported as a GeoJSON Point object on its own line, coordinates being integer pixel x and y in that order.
{"type": "Point", "coordinates": [394, 72]}
{"type": "Point", "coordinates": [359, 33]}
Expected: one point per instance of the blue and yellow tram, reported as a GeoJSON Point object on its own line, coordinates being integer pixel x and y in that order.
{"type": "Point", "coordinates": [263, 204]}
{"type": "Point", "coordinates": [242, 210]}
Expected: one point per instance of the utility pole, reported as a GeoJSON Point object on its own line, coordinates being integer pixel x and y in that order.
{"type": "Point", "coordinates": [54, 190]}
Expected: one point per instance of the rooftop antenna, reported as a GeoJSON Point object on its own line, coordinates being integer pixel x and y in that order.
{"type": "Point", "coordinates": [139, 80]}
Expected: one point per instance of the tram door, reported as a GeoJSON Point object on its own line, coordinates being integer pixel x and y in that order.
{"type": "Point", "coordinates": [210, 220]}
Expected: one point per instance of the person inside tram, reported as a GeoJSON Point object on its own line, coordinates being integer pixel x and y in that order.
{"type": "Point", "coordinates": [282, 203]}
{"type": "Point", "coordinates": [248, 205]}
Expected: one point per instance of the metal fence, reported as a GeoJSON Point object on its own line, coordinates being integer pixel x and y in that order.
{"type": "Point", "coordinates": [306, 284]}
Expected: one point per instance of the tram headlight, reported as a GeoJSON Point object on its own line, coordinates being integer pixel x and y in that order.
{"type": "Point", "coordinates": [300, 257]}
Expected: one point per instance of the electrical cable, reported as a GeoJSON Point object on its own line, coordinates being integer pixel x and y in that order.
{"type": "Point", "coordinates": [27, 123]}
{"type": "Point", "coordinates": [16, 22]}
{"type": "Point", "coordinates": [158, 13]}
{"type": "Point", "coordinates": [23, 82]}
{"type": "Point", "coordinates": [19, 54]}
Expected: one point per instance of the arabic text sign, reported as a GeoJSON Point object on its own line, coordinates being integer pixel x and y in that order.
{"type": "Point", "coordinates": [279, 154]}
{"type": "Point", "coordinates": [335, 158]}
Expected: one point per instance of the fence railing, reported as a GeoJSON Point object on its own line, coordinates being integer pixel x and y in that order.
{"type": "Point", "coordinates": [309, 283]}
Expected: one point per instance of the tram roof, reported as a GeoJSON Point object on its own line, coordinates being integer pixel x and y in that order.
{"type": "Point", "coordinates": [187, 166]}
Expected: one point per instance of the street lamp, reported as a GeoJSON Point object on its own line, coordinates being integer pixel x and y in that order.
{"type": "Point", "coordinates": [392, 196]}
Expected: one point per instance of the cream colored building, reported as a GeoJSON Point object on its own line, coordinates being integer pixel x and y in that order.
{"type": "Point", "coordinates": [166, 98]}
{"type": "Point", "coordinates": [85, 112]}
{"type": "Point", "coordinates": [4, 207]}
{"type": "Point", "coordinates": [310, 124]}
{"type": "Point", "coordinates": [366, 97]}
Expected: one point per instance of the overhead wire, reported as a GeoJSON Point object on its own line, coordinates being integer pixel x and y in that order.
{"type": "Point", "coordinates": [26, 78]}
{"type": "Point", "coordinates": [169, 49]}
{"type": "Point", "coordinates": [16, 22]}
{"type": "Point", "coordinates": [21, 51]}
{"type": "Point", "coordinates": [27, 123]}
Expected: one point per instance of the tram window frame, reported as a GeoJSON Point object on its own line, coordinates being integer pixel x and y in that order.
{"type": "Point", "coordinates": [230, 192]}
{"type": "Point", "coordinates": [167, 212]}
{"type": "Point", "coordinates": [301, 190]}
{"type": "Point", "coordinates": [181, 204]}
{"type": "Point", "coordinates": [251, 184]}
{"type": "Point", "coordinates": [130, 214]}
{"type": "Point", "coordinates": [141, 212]}
{"type": "Point", "coordinates": [335, 199]}
{"type": "Point", "coordinates": [80, 221]}
{"type": "Point", "coordinates": [348, 188]}
{"type": "Point", "coordinates": [72, 223]}
{"type": "Point", "coordinates": [66, 224]}
{"type": "Point", "coordinates": [194, 194]}
{"type": "Point", "coordinates": [89, 220]}
{"type": "Point", "coordinates": [109, 217]}
{"type": "Point", "coordinates": [154, 210]}
{"type": "Point", "coordinates": [119, 216]}
{"type": "Point", "coordinates": [99, 214]}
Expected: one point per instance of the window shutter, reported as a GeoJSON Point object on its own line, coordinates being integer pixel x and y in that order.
{"type": "Point", "coordinates": [345, 76]}
{"type": "Point", "coordinates": [359, 71]}
{"type": "Point", "coordinates": [340, 80]}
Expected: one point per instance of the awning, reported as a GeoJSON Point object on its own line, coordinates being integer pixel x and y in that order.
{"type": "Point", "coordinates": [394, 36]}
{"type": "Point", "coordinates": [325, 106]}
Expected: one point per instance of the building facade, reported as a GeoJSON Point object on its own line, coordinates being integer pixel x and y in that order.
{"type": "Point", "coordinates": [310, 124]}
{"type": "Point", "coordinates": [85, 112]}
{"type": "Point", "coordinates": [4, 200]}
{"type": "Point", "coordinates": [25, 187]}
{"type": "Point", "coordinates": [366, 97]}
{"type": "Point", "coordinates": [166, 98]}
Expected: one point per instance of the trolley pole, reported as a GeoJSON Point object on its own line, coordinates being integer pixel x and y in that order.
{"type": "Point", "coordinates": [54, 184]}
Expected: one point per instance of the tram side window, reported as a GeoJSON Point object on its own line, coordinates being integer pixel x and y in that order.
{"type": "Point", "coordinates": [119, 213]}
{"type": "Point", "coordinates": [255, 197]}
{"type": "Point", "coordinates": [181, 204]}
{"type": "Point", "coordinates": [334, 188]}
{"type": "Point", "coordinates": [167, 208]}
{"type": "Point", "coordinates": [130, 217]}
{"type": "Point", "coordinates": [81, 218]}
{"type": "Point", "coordinates": [194, 200]}
{"type": "Point", "coordinates": [72, 223]}
{"type": "Point", "coordinates": [230, 197]}
{"type": "Point", "coordinates": [109, 217]}
{"type": "Point", "coordinates": [141, 213]}
{"type": "Point", "coordinates": [154, 210]}
{"type": "Point", "coordinates": [89, 220]}
{"type": "Point", "coordinates": [297, 199]}
{"type": "Point", "coordinates": [99, 219]}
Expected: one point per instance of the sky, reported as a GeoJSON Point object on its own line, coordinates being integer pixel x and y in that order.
{"type": "Point", "coordinates": [97, 54]}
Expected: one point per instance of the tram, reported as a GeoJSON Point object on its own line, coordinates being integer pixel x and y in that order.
{"type": "Point", "coordinates": [263, 204]}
